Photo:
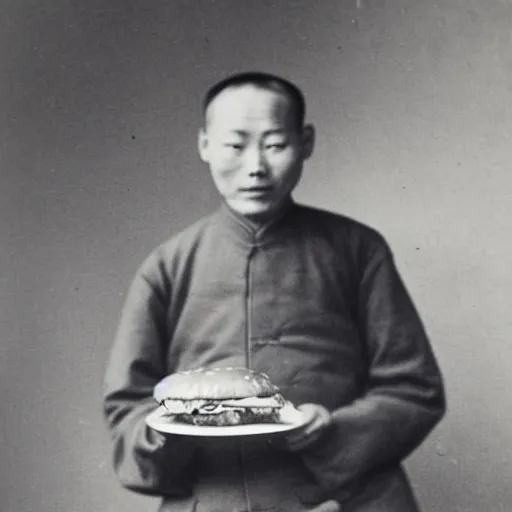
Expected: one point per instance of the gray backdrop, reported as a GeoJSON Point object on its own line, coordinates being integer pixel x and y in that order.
{"type": "Point", "coordinates": [99, 111]}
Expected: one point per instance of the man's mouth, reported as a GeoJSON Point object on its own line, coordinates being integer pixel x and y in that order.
{"type": "Point", "coordinates": [256, 190]}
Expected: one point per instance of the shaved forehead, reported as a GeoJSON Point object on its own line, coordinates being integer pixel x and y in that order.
{"type": "Point", "coordinates": [251, 102]}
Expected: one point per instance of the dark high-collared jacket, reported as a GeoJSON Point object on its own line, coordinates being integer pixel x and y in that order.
{"type": "Point", "coordinates": [314, 300]}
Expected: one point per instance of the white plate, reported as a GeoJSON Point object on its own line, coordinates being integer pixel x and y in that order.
{"type": "Point", "coordinates": [291, 417]}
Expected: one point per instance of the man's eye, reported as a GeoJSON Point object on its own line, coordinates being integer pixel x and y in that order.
{"type": "Point", "coordinates": [234, 145]}
{"type": "Point", "coordinates": [278, 146]}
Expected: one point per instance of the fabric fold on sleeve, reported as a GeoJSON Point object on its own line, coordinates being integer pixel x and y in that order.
{"type": "Point", "coordinates": [145, 461]}
{"type": "Point", "coordinates": [404, 396]}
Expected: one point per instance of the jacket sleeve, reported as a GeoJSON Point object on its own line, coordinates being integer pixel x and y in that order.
{"type": "Point", "coordinates": [404, 396]}
{"type": "Point", "coordinates": [145, 460]}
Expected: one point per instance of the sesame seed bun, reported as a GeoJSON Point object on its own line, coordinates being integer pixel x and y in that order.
{"type": "Point", "coordinates": [214, 384]}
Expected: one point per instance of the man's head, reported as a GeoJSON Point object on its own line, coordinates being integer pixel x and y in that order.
{"type": "Point", "coordinates": [255, 141]}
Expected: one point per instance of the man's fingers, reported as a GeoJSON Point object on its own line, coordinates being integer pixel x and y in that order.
{"type": "Point", "coordinates": [316, 419]}
{"type": "Point", "coordinates": [313, 413]}
{"type": "Point", "coordinates": [327, 506]}
{"type": "Point", "coordinates": [299, 444]}
{"type": "Point", "coordinates": [320, 419]}
{"type": "Point", "coordinates": [309, 435]}
{"type": "Point", "coordinates": [308, 429]}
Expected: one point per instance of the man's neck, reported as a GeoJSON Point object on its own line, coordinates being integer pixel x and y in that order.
{"type": "Point", "coordinates": [258, 221]}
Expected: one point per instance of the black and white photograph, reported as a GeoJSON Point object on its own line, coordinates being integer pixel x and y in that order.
{"type": "Point", "coordinates": [255, 256]}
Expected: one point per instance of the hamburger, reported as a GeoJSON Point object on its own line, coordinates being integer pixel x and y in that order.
{"type": "Point", "coordinates": [219, 397]}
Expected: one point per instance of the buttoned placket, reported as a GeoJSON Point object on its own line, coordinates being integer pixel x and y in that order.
{"type": "Point", "coordinates": [248, 335]}
{"type": "Point", "coordinates": [253, 241]}
{"type": "Point", "coordinates": [248, 304]}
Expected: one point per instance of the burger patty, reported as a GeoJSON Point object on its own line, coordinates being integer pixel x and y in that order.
{"type": "Point", "coordinates": [231, 417]}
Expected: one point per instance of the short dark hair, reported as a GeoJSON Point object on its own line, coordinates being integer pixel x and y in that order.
{"type": "Point", "coordinates": [262, 81]}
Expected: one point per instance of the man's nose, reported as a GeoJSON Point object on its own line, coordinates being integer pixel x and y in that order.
{"type": "Point", "coordinates": [255, 162]}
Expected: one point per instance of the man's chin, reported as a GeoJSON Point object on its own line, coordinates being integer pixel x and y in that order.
{"type": "Point", "coordinates": [253, 209]}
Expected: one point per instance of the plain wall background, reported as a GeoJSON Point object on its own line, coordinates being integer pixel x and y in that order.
{"type": "Point", "coordinates": [99, 112]}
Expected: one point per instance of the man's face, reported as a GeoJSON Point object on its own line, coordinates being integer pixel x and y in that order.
{"type": "Point", "coordinates": [254, 148]}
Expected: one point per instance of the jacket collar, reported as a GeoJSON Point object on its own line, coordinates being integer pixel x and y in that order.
{"type": "Point", "coordinates": [253, 234]}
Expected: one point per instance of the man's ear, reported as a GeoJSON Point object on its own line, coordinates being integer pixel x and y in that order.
{"type": "Point", "coordinates": [308, 141]}
{"type": "Point", "coordinates": [203, 145]}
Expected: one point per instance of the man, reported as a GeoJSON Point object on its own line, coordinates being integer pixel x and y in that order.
{"type": "Point", "coordinates": [311, 298]}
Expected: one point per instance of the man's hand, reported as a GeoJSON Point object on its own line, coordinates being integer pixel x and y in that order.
{"type": "Point", "coordinates": [317, 420]}
{"type": "Point", "coordinates": [327, 506]}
